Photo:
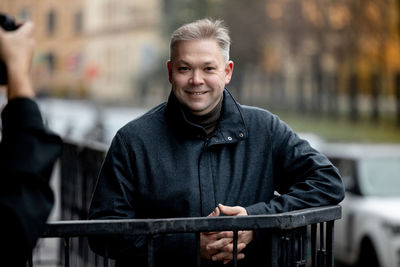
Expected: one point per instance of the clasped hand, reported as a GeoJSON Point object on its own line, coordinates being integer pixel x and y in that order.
{"type": "Point", "coordinates": [218, 246]}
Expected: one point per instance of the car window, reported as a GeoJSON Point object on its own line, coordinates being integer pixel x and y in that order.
{"type": "Point", "coordinates": [380, 177]}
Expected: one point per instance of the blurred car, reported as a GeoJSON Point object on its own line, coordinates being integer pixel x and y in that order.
{"type": "Point", "coordinates": [369, 232]}
{"type": "Point", "coordinates": [83, 121]}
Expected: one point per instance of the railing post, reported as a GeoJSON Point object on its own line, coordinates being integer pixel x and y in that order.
{"type": "Point", "coordinates": [105, 258]}
{"type": "Point", "coordinates": [299, 247]}
{"type": "Point", "coordinates": [235, 243]}
{"type": "Point", "coordinates": [304, 246]}
{"type": "Point", "coordinates": [330, 244]}
{"type": "Point", "coordinates": [314, 245]}
{"type": "Point", "coordinates": [198, 258]}
{"type": "Point", "coordinates": [321, 255]}
{"type": "Point", "coordinates": [273, 249]}
{"type": "Point", "coordinates": [286, 251]}
{"type": "Point", "coordinates": [150, 250]}
{"type": "Point", "coordinates": [295, 249]}
{"type": "Point", "coordinates": [66, 251]}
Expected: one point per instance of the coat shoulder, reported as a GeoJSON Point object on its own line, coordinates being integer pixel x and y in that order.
{"type": "Point", "coordinates": [145, 124]}
{"type": "Point", "coordinates": [254, 114]}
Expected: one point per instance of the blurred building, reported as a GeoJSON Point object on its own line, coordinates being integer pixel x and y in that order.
{"type": "Point", "coordinates": [123, 46]}
{"type": "Point", "coordinates": [91, 48]}
{"type": "Point", "coordinates": [59, 35]}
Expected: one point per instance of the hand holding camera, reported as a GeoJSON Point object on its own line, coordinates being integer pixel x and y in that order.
{"type": "Point", "coordinates": [16, 52]}
{"type": "Point", "coordinates": [7, 24]}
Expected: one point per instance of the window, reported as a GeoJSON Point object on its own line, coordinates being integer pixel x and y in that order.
{"type": "Point", "coordinates": [78, 22]}
{"type": "Point", "coordinates": [51, 62]}
{"type": "Point", "coordinates": [24, 14]}
{"type": "Point", "coordinates": [51, 22]}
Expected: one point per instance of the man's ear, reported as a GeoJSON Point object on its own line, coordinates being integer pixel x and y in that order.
{"type": "Point", "coordinates": [169, 67]}
{"type": "Point", "coordinates": [228, 71]}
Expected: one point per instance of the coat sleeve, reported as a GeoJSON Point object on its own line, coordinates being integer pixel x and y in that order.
{"type": "Point", "coordinates": [28, 152]}
{"type": "Point", "coordinates": [303, 177]}
{"type": "Point", "coordinates": [114, 198]}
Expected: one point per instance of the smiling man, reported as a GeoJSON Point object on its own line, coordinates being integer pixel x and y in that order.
{"type": "Point", "coordinates": [203, 154]}
{"type": "Point", "coordinates": [198, 73]}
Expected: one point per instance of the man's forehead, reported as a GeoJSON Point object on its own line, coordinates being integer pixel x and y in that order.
{"type": "Point", "coordinates": [207, 51]}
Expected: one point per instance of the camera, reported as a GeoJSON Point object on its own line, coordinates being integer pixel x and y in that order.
{"type": "Point", "coordinates": [8, 24]}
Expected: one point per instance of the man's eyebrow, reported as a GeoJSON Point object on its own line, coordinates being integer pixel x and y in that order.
{"type": "Point", "coordinates": [181, 61]}
{"type": "Point", "coordinates": [212, 62]}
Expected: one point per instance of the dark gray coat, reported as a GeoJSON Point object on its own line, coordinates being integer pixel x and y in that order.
{"type": "Point", "coordinates": [161, 165]}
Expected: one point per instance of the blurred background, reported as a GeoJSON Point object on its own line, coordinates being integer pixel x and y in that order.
{"type": "Point", "coordinates": [328, 67]}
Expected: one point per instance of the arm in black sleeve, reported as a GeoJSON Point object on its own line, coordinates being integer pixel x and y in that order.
{"type": "Point", "coordinates": [27, 156]}
{"type": "Point", "coordinates": [303, 177]}
{"type": "Point", "coordinates": [114, 198]}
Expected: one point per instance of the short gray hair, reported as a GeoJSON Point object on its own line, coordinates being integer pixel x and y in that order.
{"type": "Point", "coordinates": [204, 29]}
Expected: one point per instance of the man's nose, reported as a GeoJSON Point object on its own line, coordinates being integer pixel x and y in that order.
{"type": "Point", "coordinates": [196, 78]}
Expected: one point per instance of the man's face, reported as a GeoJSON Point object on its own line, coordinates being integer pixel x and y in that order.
{"type": "Point", "coordinates": [198, 74]}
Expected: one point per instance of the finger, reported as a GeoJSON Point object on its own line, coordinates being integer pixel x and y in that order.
{"type": "Point", "coordinates": [229, 247]}
{"type": "Point", "coordinates": [27, 28]}
{"type": "Point", "coordinates": [245, 236]}
{"type": "Point", "coordinates": [225, 245]}
{"type": "Point", "coordinates": [19, 22]}
{"type": "Point", "coordinates": [220, 234]}
{"type": "Point", "coordinates": [226, 256]}
{"type": "Point", "coordinates": [219, 244]}
{"type": "Point", "coordinates": [224, 234]}
{"type": "Point", "coordinates": [214, 213]}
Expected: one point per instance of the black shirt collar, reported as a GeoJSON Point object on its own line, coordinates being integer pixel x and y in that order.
{"type": "Point", "coordinates": [229, 129]}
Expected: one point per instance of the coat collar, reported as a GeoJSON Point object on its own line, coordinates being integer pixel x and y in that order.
{"type": "Point", "coordinates": [231, 127]}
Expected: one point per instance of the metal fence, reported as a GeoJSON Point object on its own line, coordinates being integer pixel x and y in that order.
{"type": "Point", "coordinates": [298, 238]}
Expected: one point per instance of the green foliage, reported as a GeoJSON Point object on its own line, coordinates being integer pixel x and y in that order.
{"type": "Point", "coordinates": [341, 129]}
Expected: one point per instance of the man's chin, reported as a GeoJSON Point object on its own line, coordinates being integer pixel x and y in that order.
{"type": "Point", "coordinates": [196, 110]}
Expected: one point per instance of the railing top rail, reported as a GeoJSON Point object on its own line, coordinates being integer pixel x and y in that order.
{"type": "Point", "coordinates": [283, 221]}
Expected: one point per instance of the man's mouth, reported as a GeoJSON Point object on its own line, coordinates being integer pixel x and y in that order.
{"type": "Point", "coordinates": [196, 93]}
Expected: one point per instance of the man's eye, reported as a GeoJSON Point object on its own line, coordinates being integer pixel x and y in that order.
{"type": "Point", "coordinates": [209, 68]}
{"type": "Point", "coordinates": [183, 68]}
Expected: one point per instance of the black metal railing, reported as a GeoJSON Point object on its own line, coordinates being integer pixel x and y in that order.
{"type": "Point", "coordinates": [297, 238]}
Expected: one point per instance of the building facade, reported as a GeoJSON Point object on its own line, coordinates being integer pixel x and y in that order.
{"type": "Point", "coordinates": [95, 49]}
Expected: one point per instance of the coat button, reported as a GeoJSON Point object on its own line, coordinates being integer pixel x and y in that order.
{"type": "Point", "coordinates": [229, 138]}
{"type": "Point", "coordinates": [241, 135]}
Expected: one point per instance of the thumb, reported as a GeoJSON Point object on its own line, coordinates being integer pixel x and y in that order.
{"type": "Point", "coordinates": [228, 210]}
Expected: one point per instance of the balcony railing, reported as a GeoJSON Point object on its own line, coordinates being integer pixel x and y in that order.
{"type": "Point", "coordinates": [298, 238]}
